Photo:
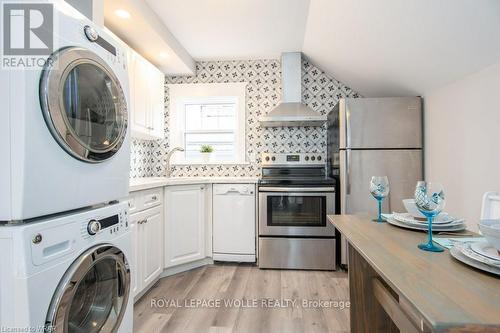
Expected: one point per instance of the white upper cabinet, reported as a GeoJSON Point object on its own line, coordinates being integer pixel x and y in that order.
{"type": "Point", "coordinates": [147, 98]}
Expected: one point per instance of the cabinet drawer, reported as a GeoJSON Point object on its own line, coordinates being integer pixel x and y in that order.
{"type": "Point", "coordinates": [400, 312]}
{"type": "Point", "coordinates": [152, 198]}
{"type": "Point", "coordinates": [132, 204]}
{"type": "Point", "coordinates": [139, 201]}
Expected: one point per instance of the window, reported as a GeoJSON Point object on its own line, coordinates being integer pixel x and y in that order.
{"type": "Point", "coordinates": [208, 114]}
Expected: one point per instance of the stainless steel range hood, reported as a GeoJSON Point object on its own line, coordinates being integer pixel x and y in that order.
{"type": "Point", "coordinates": [291, 111]}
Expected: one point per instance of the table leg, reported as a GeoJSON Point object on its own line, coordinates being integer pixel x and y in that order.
{"type": "Point", "coordinates": [367, 315]}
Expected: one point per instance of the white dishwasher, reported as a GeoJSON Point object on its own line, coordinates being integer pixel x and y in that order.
{"type": "Point", "coordinates": [234, 223]}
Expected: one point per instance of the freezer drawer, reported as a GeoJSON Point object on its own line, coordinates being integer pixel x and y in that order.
{"type": "Point", "coordinates": [234, 222]}
{"type": "Point", "coordinates": [297, 253]}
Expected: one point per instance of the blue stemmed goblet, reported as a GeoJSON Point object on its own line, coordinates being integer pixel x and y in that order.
{"type": "Point", "coordinates": [430, 201]}
{"type": "Point", "coordinates": [379, 188]}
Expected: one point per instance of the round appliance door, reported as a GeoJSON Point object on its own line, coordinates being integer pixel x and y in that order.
{"type": "Point", "coordinates": [93, 294]}
{"type": "Point", "coordinates": [83, 104]}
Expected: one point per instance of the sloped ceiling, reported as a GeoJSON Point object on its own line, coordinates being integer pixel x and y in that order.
{"type": "Point", "coordinates": [235, 29]}
{"type": "Point", "coordinates": [377, 47]}
{"type": "Point", "coordinates": [402, 47]}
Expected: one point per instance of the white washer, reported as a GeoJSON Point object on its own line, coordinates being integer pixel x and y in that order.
{"type": "Point", "coordinates": [56, 275]}
{"type": "Point", "coordinates": [65, 138]}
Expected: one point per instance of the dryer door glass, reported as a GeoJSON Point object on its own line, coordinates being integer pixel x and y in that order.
{"type": "Point", "coordinates": [83, 104]}
{"type": "Point", "coordinates": [93, 295]}
{"type": "Point", "coordinates": [91, 103]}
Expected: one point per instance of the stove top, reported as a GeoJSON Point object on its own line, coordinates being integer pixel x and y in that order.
{"type": "Point", "coordinates": [306, 170]}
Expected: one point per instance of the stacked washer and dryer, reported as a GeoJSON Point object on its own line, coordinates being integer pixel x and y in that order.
{"type": "Point", "coordinates": [64, 146]}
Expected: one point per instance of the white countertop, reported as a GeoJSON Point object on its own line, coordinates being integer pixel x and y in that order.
{"type": "Point", "coordinates": [139, 184]}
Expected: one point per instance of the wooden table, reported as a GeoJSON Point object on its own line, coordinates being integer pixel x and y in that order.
{"type": "Point", "coordinates": [394, 286]}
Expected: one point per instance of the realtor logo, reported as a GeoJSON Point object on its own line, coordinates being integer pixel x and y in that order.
{"type": "Point", "coordinates": [28, 29]}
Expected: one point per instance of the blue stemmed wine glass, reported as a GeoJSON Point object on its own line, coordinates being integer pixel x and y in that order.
{"type": "Point", "coordinates": [429, 198]}
{"type": "Point", "coordinates": [379, 188]}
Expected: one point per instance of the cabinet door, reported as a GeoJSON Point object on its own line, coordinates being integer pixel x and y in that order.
{"type": "Point", "coordinates": [151, 243]}
{"type": "Point", "coordinates": [139, 91]}
{"type": "Point", "coordinates": [147, 98]}
{"type": "Point", "coordinates": [185, 224]}
{"type": "Point", "coordinates": [157, 103]}
{"type": "Point", "coordinates": [135, 263]}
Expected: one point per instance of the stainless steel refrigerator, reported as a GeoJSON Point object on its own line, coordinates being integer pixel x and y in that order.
{"type": "Point", "coordinates": [375, 137]}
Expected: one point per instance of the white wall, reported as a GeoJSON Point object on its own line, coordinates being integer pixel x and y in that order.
{"type": "Point", "coordinates": [462, 138]}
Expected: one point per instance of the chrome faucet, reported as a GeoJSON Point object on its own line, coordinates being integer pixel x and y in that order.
{"type": "Point", "coordinates": [167, 159]}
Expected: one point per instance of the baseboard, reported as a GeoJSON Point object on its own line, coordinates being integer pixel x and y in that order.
{"type": "Point", "coordinates": [186, 267]}
{"type": "Point", "coordinates": [175, 270]}
{"type": "Point", "coordinates": [234, 257]}
{"type": "Point", "coordinates": [145, 290]}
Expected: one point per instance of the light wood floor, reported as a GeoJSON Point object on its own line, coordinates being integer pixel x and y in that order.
{"type": "Point", "coordinates": [249, 283]}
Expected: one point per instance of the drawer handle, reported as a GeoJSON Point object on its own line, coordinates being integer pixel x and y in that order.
{"type": "Point", "coordinates": [392, 308]}
{"type": "Point", "coordinates": [154, 197]}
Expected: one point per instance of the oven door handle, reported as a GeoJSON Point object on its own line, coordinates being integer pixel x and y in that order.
{"type": "Point", "coordinates": [297, 189]}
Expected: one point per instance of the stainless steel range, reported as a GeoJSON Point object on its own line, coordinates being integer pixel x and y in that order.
{"type": "Point", "coordinates": [295, 196]}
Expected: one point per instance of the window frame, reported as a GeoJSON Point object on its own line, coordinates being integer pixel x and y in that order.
{"type": "Point", "coordinates": [188, 93]}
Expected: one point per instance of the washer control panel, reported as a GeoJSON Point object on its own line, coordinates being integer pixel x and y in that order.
{"type": "Point", "coordinates": [105, 225]}
{"type": "Point", "coordinates": [93, 227]}
{"type": "Point", "coordinates": [293, 159]}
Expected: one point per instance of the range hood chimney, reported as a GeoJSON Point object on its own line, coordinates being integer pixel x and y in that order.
{"type": "Point", "coordinates": [291, 111]}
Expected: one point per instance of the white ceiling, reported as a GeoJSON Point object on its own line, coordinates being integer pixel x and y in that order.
{"type": "Point", "coordinates": [235, 29]}
{"type": "Point", "coordinates": [378, 47]}
{"type": "Point", "coordinates": [402, 47]}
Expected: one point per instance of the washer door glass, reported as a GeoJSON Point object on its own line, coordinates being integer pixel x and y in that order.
{"type": "Point", "coordinates": [83, 104]}
{"type": "Point", "coordinates": [96, 301]}
{"type": "Point", "coordinates": [93, 295]}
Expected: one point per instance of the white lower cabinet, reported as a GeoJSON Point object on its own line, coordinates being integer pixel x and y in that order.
{"type": "Point", "coordinates": [185, 224]}
{"type": "Point", "coordinates": [147, 240]}
{"type": "Point", "coordinates": [151, 241]}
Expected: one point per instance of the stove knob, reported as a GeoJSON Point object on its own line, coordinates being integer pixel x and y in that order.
{"type": "Point", "coordinates": [93, 227]}
{"type": "Point", "coordinates": [313, 158]}
{"type": "Point", "coordinates": [307, 158]}
{"type": "Point", "coordinates": [319, 158]}
{"type": "Point", "coordinates": [273, 158]}
{"type": "Point", "coordinates": [267, 158]}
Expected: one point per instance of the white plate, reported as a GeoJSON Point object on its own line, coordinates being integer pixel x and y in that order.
{"type": "Point", "coordinates": [485, 249]}
{"type": "Point", "coordinates": [468, 252]}
{"type": "Point", "coordinates": [423, 227]}
{"type": "Point", "coordinates": [456, 252]}
{"type": "Point", "coordinates": [441, 219]}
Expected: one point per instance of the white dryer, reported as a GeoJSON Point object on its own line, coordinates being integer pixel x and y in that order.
{"type": "Point", "coordinates": [68, 274]}
{"type": "Point", "coordinates": [64, 141]}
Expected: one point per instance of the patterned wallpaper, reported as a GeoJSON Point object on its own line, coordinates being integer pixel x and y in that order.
{"type": "Point", "coordinates": [319, 91]}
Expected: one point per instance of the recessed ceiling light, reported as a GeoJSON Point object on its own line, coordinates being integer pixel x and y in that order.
{"type": "Point", "coordinates": [122, 13]}
{"type": "Point", "coordinates": [163, 55]}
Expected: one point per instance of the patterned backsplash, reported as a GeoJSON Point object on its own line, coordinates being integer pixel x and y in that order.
{"type": "Point", "coordinates": [319, 91]}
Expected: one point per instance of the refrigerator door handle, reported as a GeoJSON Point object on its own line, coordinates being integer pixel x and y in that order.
{"type": "Point", "coordinates": [348, 172]}
{"type": "Point", "coordinates": [347, 127]}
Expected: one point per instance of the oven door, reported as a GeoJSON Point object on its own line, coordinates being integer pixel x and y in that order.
{"type": "Point", "coordinates": [285, 211]}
